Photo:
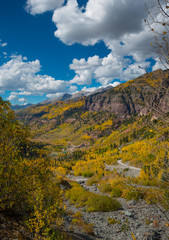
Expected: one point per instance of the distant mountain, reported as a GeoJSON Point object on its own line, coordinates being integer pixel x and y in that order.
{"type": "Point", "coordinates": [99, 112]}
{"type": "Point", "coordinates": [138, 96]}
{"type": "Point", "coordinates": [86, 93]}
{"type": "Point", "coordinates": [64, 97]}
{"type": "Point", "coordinates": [18, 107]}
{"type": "Point", "coordinates": [76, 95]}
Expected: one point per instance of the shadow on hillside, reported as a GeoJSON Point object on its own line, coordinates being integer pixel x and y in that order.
{"type": "Point", "coordinates": [79, 236]}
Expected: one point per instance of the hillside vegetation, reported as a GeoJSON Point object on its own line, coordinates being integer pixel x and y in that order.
{"type": "Point", "coordinates": [128, 122]}
{"type": "Point", "coordinates": [80, 136]}
{"type": "Point", "coordinates": [126, 118]}
{"type": "Point", "coordinates": [28, 190]}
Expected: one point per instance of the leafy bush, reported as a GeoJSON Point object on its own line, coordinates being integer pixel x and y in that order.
{"type": "Point", "coordinates": [93, 202]}
{"type": "Point", "coordinates": [116, 192]}
{"type": "Point", "coordinates": [87, 174]}
{"type": "Point", "coordinates": [134, 194]}
{"type": "Point", "coordinates": [113, 221]}
{"type": "Point", "coordinates": [94, 179]}
{"type": "Point", "coordinates": [77, 195]}
{"type": "Point", "coordinates": [157, 196]}
{"type": "Point", "coordinates": [88, 168]}
{"type": "Point", "coordinates": [99, 203]}
{"type": "Point", "coordinates": [27, 183]}
{"type": "Point", "coordinates": [106, 188]}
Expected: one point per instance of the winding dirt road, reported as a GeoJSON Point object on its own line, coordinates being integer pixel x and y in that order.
{"type": "Point", "coordinates": [122, 167]}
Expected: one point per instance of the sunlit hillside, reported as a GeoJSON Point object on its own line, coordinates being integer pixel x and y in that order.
{"type": "Point", "coordinates": [115, 142]}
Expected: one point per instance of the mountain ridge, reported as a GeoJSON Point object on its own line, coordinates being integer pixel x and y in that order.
{"type": "Point", "coordinates": [76, 95]}
{"type": "Point", "coordinates": [128, 98]}
{"type": "Point", "coordinates": [94, 116]}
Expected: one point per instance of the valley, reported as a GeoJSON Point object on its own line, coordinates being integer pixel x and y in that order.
{"type": "Point", "coordinates": [114, 143]}
{"type": "Point", "coordinates": [97, 165]}
{"type": "Point", "coordinates": [84, 120]}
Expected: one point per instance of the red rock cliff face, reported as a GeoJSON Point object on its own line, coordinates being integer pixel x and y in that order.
{"type": "Point", "coordinates": [140, 96]}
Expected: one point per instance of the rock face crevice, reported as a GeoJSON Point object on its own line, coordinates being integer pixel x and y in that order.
{"type": "Point", "coordinates": [138, 97]}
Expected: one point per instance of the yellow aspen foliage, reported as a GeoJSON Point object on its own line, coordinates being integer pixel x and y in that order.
{"type": "Point", "coordinates": [27, 184]}
{"type": "Point", "coordinates": [88, 168]}
{"type": "Point", "coordinates": [59, 171]}
{"type": "Point", "coordinates": [86, 137]}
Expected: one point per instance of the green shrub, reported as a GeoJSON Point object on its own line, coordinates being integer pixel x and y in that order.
{"type": "Point", "coordinates": [87, 174]}
{"type": "Point", "coordinates": [77, 195]}
{"type": "Point", "coordinates": [106, 188]}
{"type": "Point", "coordinates": [113, 221]}
{"type": "Point", "coordinates": [116, 192]}
{"type": "Point", "coordinates": [94, 179]}
{"type": "Point", "coordinates": [93, 202]}
{"type": "Point", "coordinates": [98, 203]}
{"type": "Point", "coordinates": [134, 194]}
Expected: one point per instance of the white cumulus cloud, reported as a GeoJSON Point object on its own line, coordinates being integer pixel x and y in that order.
{"type": "Point", "coordinates": [118, 23]}
{"type": "Point", "coordinates": [13, 96]}
{"type": "Point", "coordinates": [16, 72]}
{"type": "Point", "coordinates": [41, 6]}
{"type": "Point", "coordinates": [100, 20]}
{"type": "Point", "coordinates": [106, 70]}
{"type": "Point", "coordinates": [159, 65]}
{"type": "Point", "coordinates": [84, 69]}
{"type": "Point", "coordinates": [135, 70]}
{"type": "Point", "coordinates": [22, 78]}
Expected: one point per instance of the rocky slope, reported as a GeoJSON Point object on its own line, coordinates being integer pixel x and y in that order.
{"type": "Point", "coordinates": [149, 92]}
{"type": "Point", "coordinates": [137, 218]}
{"type": "Point", "coordinates": [66, 118]}
{"type": "Point", "coordinates": [146, 93]}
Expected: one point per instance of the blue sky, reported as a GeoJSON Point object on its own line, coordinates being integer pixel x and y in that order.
{"type": "Point", "coordinates": [50, 47]}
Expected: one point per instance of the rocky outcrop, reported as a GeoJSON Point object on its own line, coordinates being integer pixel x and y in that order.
{"type": "Point", "coordinates": [147, 93]}
{"type": "Point", "coordinates": [138, 97]}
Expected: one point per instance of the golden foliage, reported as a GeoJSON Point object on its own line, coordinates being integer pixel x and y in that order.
{"type": "Point", "coordinates": [27, 185]}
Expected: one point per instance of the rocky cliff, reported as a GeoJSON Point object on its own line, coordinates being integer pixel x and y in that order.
{"type": "Point", "coordinates": [149, 92]}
